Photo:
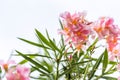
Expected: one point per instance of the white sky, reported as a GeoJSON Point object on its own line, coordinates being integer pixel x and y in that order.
{"type": "Point", "coordinates": [18, 18]}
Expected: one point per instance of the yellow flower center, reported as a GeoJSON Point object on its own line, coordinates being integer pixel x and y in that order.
{"type": "Point", "coordinates": [115, 51]}
{"type": "Point", "coordinates": [5, 66]}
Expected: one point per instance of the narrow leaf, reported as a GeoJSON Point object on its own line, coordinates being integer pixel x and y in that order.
{"type": "Point", "coordinates": [93, 44]}
{"type": "Point", "coordinates": [62, 39]}
{"type": "Point", "coordinates": [52, 42]}
{"type": "Point", "coordinates": [95, 67]}
{"type": "Point", "coordinates": [71, 68]}
{"type": "Point", "coordinates": [109, 78]}
{"type": "Point", "coordinates": [33, 43]}
{"type": "Point", "coordinates": [40, 71]}
{"type": "Point", "coordinates": [55, 47]}
{"type": "Point", "coordinates": [105, 61]}
{"type": "Point", "coordinates": [61, 25]}
{"type": "Point", "coordinates": [86, 71]}
{"type": "Point", "coordinates": [41, 37]}
{"type": "Point", "coordinates": [33, 62]}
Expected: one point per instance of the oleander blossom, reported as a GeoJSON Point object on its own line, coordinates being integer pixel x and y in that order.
{"type": "Point", "coordinates": [75, 28]}
{"type": "Point", "coordinates": [115, 53]}
{"type": "Point", "coordinates": [119, 78]}
{"type": "Point", "coordinates": [107, 30]}
{"type": "Point", "coordinates": [18, 73]}
{"type": "Point", "coordinates": [6, 65]}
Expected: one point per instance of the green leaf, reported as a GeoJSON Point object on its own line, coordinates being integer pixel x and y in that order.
{"type": "Point", "coordinates": [47, 53]}
{"type": "Point", "coordinates": [95, 67]}
{"type": "Point", "coordinates": [95, 59]}
{"type": "Point", "coordinates": [47, 34]}
{"type": "Point", "coordinates": [62, 39]}
{"type": "Point", "coordinates": [61, 25]}
{"type": "Point", "coordinates": [33, 43]}
{"type": "Point", "coordinates": [48, 65]}
{"type": "Point", "coordinates": [112, 69]}
{"type": "Point", "coordinates": [71, 68]}
{"type": "Point", "coordinates": [0, 71]}
{"type": "Point", "coordinates": [82, 62]}
{"type": "Point", "coordinates": [35, 55]}
{"type": "Point", "coordinates": [33, 62]}
{"type": "Point", "coordinates": [40, 71]}
{"type": "Point", "coordinates": [109, 78]}
{"type": "Point", "coordinates": [66, 71]}
{"type": "Point", "coordinates": [23, 62]}
{"type": "Point", "coordinates": [42, 38]}
{"type": "Point", "coordinates": [52, 43]}
{"type": "Point", "coordinates": [112, 62]}
{"type": "Point", "coordinates": [86, 71]}
{"type": "Point", "coordinates": [50, 76]}
{"type": "Point", "coordinates": [38, 78]}
{"type": "Point", "coordinates": [105, 61]}
{"type": "Point", "coordinates": [93, 45]}
{"type": "Point", "coordinates": [31, 55]}
{"type": "Point", "coordinates": [49, 43]}
{"type": "Point", "coordinates": [54, 46]}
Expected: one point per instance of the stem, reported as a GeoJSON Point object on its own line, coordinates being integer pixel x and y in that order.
{"type": "Point", "coordinates": [86, 71]}
{"type": "Point", "coordinates": [99, 77]}
{"type": "Point", "coordinates": [0, 77]}
{"type": "Point", "coordinates": [94, 59]}
{"type": "Point", "coordinates": [57, 72]}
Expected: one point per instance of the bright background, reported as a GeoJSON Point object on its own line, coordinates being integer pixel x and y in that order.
{"type": "Point", "coordinates": [19, 18]}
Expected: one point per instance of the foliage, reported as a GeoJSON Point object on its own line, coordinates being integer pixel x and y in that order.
{"type": "Point", "coordinates": [56, 62]}
{"type": "Point", "coordinates": [76, 56]}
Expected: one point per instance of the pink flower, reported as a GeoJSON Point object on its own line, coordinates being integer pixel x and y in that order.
{"type": "Point", "coordinates": [105, 29]}
{"type": "Point", "coordinates": [112, 41]}
{"type": "Point", "coordinates": [118, 67]}
{"type": "Point", "coordinates": [18, 73]}
{"type": "Point", "coordinates": [70, 57]}
{"type": "Point", "coordinates": [115, 53]}
{"type": "Point", "coordinates": [6, 65]}
{"type": "Point", "coordinates": [118, 78]}
{"type": "Point", "coordinates": [75, 28]}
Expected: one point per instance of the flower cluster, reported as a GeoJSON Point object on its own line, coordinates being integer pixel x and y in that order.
{"type": "Point", "coordinates": [111, 33]}
{"type": "Point", "coordinates": [15, 72]}
{"type": "Point", "coordinates": [77, 30]}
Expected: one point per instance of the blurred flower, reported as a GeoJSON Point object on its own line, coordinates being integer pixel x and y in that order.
{"type": "Point", "coordinates": [108, 31]}
{"type": "Point", "coordinates": [70, 57]}
{"type": "Point", "coordinates": [119, 78]}
{"type": "Point", "coordinates": [18, 73]}
{"type": "Point", "coordinates": [115, 53]}
{"type": "Point", "coordinates": [118, 67]}
{"type": "Point", "coordinates": [112, 41]}
{"type": "Point", "coordinates": [75, 28]}
{"type": "Point", "coordinates": [6, 65]}
{"type": "Point", "coordinates": [105, 27]}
